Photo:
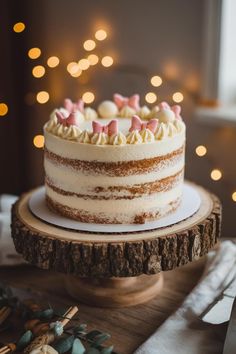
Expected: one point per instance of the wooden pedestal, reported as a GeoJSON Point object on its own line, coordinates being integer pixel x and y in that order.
{"type": "Point", "coordinates": [115, 269]}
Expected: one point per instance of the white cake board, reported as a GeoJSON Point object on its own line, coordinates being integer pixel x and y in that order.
{"type": "Point", "coordinates": [190, 204]}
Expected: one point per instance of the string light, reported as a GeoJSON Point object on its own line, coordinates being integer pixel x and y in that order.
{"type": "Point", "coordinates": [234, 196]}
{"type": "Point", "coordinates": [201, 150]}
{"type": "Point", "coordinates": [19, 27]}
{"type": "Point", "coordinates": [93, 59]}
{"type": "Point", "coordinates": [100, 35]}
{"type": "Point", "coordinates": [34, 53]}
{"type": "Point", "coordinates": [38, 141]}
{"type": "Point", "coordinates": [216, 175]}
{"type": "Point", "coordinates": [88, 97]}
{"type": "Point", "coordinates": [83, 64]}
{"type": "Point", "coordinates": [53, 61]}
{"type": "Point", "coordinates": [76, 72]}
{"type": "Point", "coordinates": [156, 81]}
{"type": "Point", "coordinates": [151, 97]}
{"type": "Point", "coordinates": [89, 45]}
{"type": "Point", "coordinates": [3, 109]}
{"type": "Point", "coordinates": [107, 61]}
{"type": "Point", "coordinates": [178, 97]}
{"type": "Point", "coordinates": [38, 71]}
{"type": "Point", "coordinates": [42, 97]}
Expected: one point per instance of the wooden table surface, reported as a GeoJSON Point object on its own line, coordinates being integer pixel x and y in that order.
{"type": "Point", "coordinates": [129, 327]}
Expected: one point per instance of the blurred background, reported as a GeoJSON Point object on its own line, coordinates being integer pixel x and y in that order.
{"type": "Point", "coordinates": [176, 50]}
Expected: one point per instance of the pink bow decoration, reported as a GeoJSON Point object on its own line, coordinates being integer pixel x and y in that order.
{"type": "Point", "coordinates": [122, 101]}
{"type": "Point", "coordinates": [71, 106]}
{"type": "Point", "coordinates": [137, 124]}
{"type": "Point", "coordinates": [110, 129]}
{"type": "Point", "coordinates": [71, 120]}
{"type": "Point", "coordinates": [176, 109]}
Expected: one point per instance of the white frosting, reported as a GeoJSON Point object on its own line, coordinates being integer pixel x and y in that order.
{"type": "Point", "coordinates": [154, 112]}
{"type": "Point", "coordinates": [84, 137]}
{"type": "Point", "coordinates": [107, 109]}
{"type": "Point", "coordinates": [90, 114]}
{"type": "Point", "coordinates": [144, 112]}
{"type": "Point", "coordinates": [162, 132]}
{"type": "Point", "coordinates": [117, 139]}
{"type": "Point", "coordinates": [71, 133]}
{"type": "Point", "coordinates": [134, 137]}
{"type": "Point", "coordinates": [99, 139]}
{"type": "Point", "coordinates": [147, 135]}
{"type": "Point", "coordinates": [126, 112]}
{"type": "Point", "coordinates": [165, 116]}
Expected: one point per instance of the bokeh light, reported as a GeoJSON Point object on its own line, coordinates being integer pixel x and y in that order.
{"type": "Point", "coordinates": [3, 109]}
{"type": "Point", "coordinates": [216, 175]}
{"type": "Point", "coordinates": [38, 141]}
{"type": "Point", "coordinates": [38, 71]}
{"type": "Point", "coordinates": [42, 97]}
{"type": "Point", "coordinates": [151, 97]}
{"type": "Point", "coordinates": [83, 64]}
{"type": "Point", "coordinates": [178, 97]}
{"type": "Point", "coordinates": [234, 196]}
{"type": "Point", "coordinates": [53, 61]}
{"type": "Point", "coordinates": [107, 61]}
{"type": "Point", "coordinates": [100, 35]}
{"type": "Point", "coordinates": [156, 81]}
{"type": "Point", "coordinates": [89, 45]}
{"type": "Point", "coordinates": [88, 97]}
{"type": "Point", "coordinates": [201, 150]}
{"type": "Point", "coordinates": [93, 59]}
{"type": "Point", "coordinates": [19, 27]}
{"type": "Point", "coordinates": [34, 53]}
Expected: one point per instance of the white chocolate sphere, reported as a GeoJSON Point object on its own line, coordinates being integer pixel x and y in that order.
{"type": "Point", "coordinates": [90, 114]}
{"type": "Point", "coordinates": [107, 109]}
{"type": "Point", "coordinates": [165, 116]}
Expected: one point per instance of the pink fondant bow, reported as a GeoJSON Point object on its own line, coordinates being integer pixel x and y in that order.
{"type": "Point", "coordinates": [122, 101]}
{"type": "Point", "coordinates": [176, 109]}
{"type": "Point", "coordinates": [71, 120]}
{"type": "Point", "coordinates": [110, 129]}
{"type": "Point", "coordinates": [71, 106]}
{"type": "Point", "coordinates": [137, 124]}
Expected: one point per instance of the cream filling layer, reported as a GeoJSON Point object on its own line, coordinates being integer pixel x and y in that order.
{"type": "Point", "coordinates": [118, 207]}
{"type": "Point", "coordinates": [112, 153]}
{"type": "Point", "coordinates": [77, 182]}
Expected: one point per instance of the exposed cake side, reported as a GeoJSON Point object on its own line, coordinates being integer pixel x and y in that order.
{"type": "Point", "coordinates": [138, 179]}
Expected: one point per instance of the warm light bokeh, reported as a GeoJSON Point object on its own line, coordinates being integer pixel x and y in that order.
{"type": "Point", "coordinates": [216, 175]}
{"type": "Point", "coordinates": [156, 81]}
{"type": "Point", "coordinates": [88, 97]}
{"type": "Point", "coordinates": [19, 27]}
{"type": "Point", "coordinates": [201, 150]}
{"type": "Point", "coordinates": [38, 71]}
{"type": "Point", "coordinates": [42, 97]}
{"type": "Point", "coordinates": [53, 61]}
{"type": "Point", "coordinates": [234, 196]}
{"type": "Point", "coordinates": [107, 61]}
{"type": "Point", "coordinates": [178, 97]}
{"type": "Point", "coordinates": [83, 64]}
{"type": "Point", "coordinates": [93, 59]}
{"type": "Point", "coordinates": [3, 109]}
{"type": "Point", "coordinates": [89, 45]}
{"type": "Point", "coordinates": [151, 97]}
{"type": "Point", "coordinates": [34, 53]}
{"type": "Point", "coordinates": [100, 35]}
{"type": "Point", "coordinates": [38, 141]}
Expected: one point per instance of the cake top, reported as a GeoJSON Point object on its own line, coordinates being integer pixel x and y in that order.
{"type": "Point", "coordinates": [118, 122]}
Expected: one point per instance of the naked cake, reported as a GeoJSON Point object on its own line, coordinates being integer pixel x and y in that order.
{"type": "Point", "coordinates": [121, 163]}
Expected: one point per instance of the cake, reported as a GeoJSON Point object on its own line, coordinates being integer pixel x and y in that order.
{"type": "Point", "coordinates": [119, 164]}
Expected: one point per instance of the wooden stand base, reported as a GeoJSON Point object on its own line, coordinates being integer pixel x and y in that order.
{"type": "Point", "coordinates": [114, 292]}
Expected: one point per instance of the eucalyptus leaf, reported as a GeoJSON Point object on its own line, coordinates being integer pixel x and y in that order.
{"type": "Point", "coordinates": [77, 347]}
{"type": "Point", "coordinates": [45, 314]}
{"type": "Point", "coordinates": [107, 350]}
{"type": "Point", "coordinates": [91, 335]}
{"type": "Point", "coordinates": [64, 344]}
{"type": "Point", "coordinates": [100, 338]}
{"type": "Point", "coordinates": [92, 351]}
{"type": "Point", "coordinates": [24, 340]}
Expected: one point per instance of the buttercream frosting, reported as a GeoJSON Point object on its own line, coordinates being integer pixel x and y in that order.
{"type": "Point", "coordinates": [84, 137]}
{"type": "Point", "coordinates": [127, 112]}
{"type": "Point", "coordinates": [90, 114]}
{"type": "Point", "coordinates": [144, 112]}
{"type": "Point", "coordinates": [117, 139]}
{"type": "Point", "coordinates": [147, 135]}
{"type": "Point", "coordinates": [99, 139]}
{"type": "Point", "coordinates": [134, 137]}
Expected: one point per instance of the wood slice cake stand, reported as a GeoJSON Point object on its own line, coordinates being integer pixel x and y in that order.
{"type": "Point", "coordinates": [117, 269]}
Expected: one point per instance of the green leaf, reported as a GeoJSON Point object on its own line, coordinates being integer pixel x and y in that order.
{"type": "Point", "coordinates": [45, 314]}
{"type": "Point", "coordinates": [91, 335]}
{"type": "Point", "coordinates": [100, 338]}
{"type": "Point", "coordinates": [24, 340]}
{"type": "Point", "coordinates": [77, 347]}
{"type": "Point", "coordinates": [107, 350]}
{"type": "Point", "coordinates": [64, 344]}
{"type": "Point", "coordinates": [92, 351]}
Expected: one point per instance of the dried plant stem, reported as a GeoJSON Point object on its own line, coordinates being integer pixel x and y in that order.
{"type": "Point", "coordinates": [4, 313]}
